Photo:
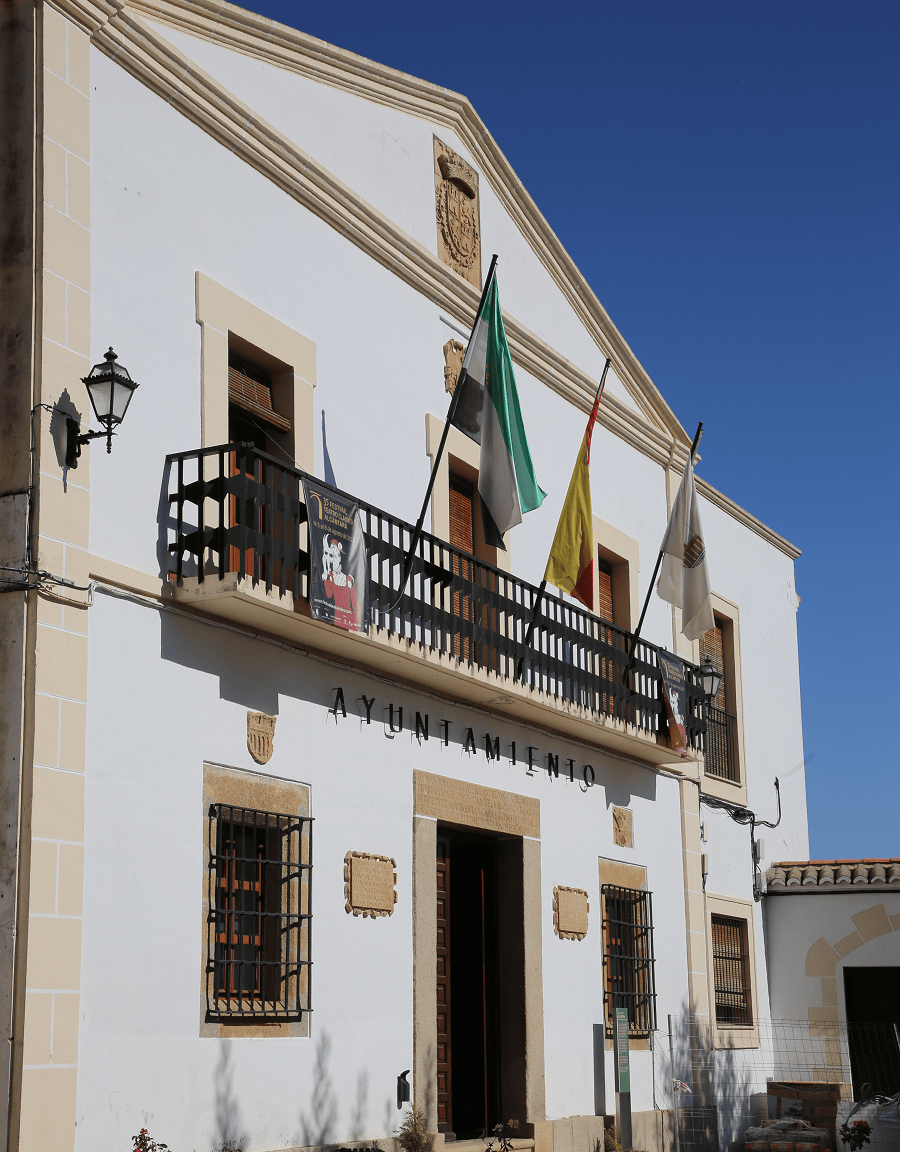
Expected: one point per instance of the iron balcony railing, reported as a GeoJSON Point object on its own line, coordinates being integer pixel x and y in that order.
{"type": "Point", "coordinates": [721, 745]}
{"type": "Point", "coordinates": [236, 509]}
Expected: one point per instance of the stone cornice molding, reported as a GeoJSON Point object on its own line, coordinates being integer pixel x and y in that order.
{"type": "Point", "coordinates": [153, 60]}
{"type": "Point", "coordinates": [294, 51]}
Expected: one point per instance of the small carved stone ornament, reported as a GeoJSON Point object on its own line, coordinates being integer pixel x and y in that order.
{"type": "Point", "coordinates": [454, 354]}
{"type": "Point", "coordinates": [623, 828]}
{"type": "Point", "coordinates": [369, 884]}
{"type": "Point", "coordinates": [570, 913]}
{"type": "Point", "coordinates": [260, 736]}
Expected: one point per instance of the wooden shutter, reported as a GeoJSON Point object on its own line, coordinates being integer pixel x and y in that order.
{"type": "Point", "coordinates": [462, 523]}
{"type": "Point", "coordinates": [711, 649]}
{"type": "Point", "coordinates": [462, 536]}
{"type": "Point", "coordinates": [605, 596]}
{"type": "Point", "coordinates": [250, 388]}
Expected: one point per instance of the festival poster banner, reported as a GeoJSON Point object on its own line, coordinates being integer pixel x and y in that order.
{"type": "Point", "coordinates": [672, 670]}
{"type": "Point", "coordinates": [338, 570]}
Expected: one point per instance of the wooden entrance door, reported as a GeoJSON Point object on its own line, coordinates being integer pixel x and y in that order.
{"type": "Point", "coordinates": [444, 1094]}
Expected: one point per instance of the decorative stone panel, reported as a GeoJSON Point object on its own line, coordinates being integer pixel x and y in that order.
{"type": "Point", "coordinates": [570, 913]}
{"type": "Point", "coordinates": [369, 884]}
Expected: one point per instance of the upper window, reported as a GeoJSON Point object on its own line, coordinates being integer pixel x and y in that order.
{"type": "Point", "coordinates": [731, 971]}
{"type": "Point", "coordinates": [630, 980]}
{"type": "Point", "coordinates": [258, 952]}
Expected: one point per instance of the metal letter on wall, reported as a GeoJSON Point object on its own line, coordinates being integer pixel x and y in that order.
{"type": "Point", "coordinates": [458, 213]}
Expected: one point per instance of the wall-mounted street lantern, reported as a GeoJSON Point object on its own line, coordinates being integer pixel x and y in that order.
{"type": "Point", "coordinates": [110, 388]}
{"type": "Point", "coordinates": [710, 678]}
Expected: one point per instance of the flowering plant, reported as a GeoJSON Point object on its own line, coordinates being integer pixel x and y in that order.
{"type": "Point", "coordinates": [143, 1142]}
{"type": "Point", "coordinates": [855, 1134]}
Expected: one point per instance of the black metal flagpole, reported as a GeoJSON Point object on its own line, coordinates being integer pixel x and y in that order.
{"type": "Point", "coordinates": [543, 586]}
{"type": "Point", "coordinates": [451, 412]}
{"type": "Point", "coordinates": [637, 631]}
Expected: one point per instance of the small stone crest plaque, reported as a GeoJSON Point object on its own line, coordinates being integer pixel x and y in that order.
{"type": "Point", "coordinates": [623, 828]}
{"type": "Point", "coordinates": [570, 913]}
{"type": "Point", "coordinates": [260, 736]}
{"type": "Point", "coordinates": [454, 354]}
{"type": "Point", "coordinates": [369, 884]}
{"type": "Point", "coordinates": [456, 197]}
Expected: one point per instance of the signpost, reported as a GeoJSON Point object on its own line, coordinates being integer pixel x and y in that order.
{"type": "Point", "coordinates": [623, 1079]}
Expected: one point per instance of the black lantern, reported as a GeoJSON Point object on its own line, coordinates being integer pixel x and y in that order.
{"type": "Point", "coordinates": [110, 388]}
{"type": "Point", "coordinates": [710, 678]}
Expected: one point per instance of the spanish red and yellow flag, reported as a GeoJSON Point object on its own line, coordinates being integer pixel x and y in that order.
{"type": "Point", "coordinates": [571, 563]}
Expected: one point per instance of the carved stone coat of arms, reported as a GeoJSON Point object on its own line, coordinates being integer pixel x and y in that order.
{"type": "Point", "coordinates": [260, 735]}
{"type": "Point", "coordinates": [457, 210]}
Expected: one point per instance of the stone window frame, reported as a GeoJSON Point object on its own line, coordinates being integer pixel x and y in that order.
{"type": "Point", "coordinates": [728, 618]}
{"type": "Point", "coordinates": [732, 1035]}
{"type": "Point", "coordinates": [624, 874]}
{"type": "Point", "coordinates": [223, 784]}
{"type": "Point", "coordinates": [623, 555]}
{"type": "Point", "coordinates": [230, 323]}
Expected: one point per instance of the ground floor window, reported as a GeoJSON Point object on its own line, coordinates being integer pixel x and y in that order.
{"type": "Point", "coordinates": [260, 877]}
{"type": "Point", "coordinates": [629, 966]}
{"type": "Point", "coordinates": [731, 970]}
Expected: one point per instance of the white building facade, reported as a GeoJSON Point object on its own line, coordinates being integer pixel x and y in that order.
{"type": "Point", "coordinates": [255, 865]}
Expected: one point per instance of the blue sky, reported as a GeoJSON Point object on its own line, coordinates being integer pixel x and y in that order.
{"type": "Point", "coordinates": [727, 177]}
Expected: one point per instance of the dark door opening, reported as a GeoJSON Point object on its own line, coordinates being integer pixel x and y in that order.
{"type": "Point", "coordinates": [480, 977]}
{"type": "Point", "coordinates": [873, 1029]}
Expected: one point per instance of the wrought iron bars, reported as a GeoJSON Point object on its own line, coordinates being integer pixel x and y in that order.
{"type": "Point", "coordinates": [260, 914]}
{"type": "Point", "coordinates": [629, 965]}
{"type": "Point", "coordinates": [731, 971]}
{"type": "Point", "coordinates": [720, 744]}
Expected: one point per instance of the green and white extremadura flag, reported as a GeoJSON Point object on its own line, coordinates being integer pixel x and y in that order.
{"type": "Point", "coordinates": [488, 411]}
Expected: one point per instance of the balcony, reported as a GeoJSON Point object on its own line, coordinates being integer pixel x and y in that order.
{"type": "Point", "coordinates": [721, 745]}
{"type": "Point", "coordinates": [238, 546]}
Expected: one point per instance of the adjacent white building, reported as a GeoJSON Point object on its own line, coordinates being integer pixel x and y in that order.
{"type": "Point", "coordinates": [255, 865]}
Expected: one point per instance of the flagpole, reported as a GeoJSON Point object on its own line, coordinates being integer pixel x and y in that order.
{"type": "Point", "coordinates": [540, 594]}
{"type": "Point", "coordinates": [451, 412]}
{"type": "Point", "coordinates": [636, 634]}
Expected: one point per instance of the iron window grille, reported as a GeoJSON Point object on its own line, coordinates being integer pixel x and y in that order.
{"type": "Point", "coordinates": [629, 966]}
{"type": "Point", "coordinates": [731, 971]}
{"type": "Point", "coordinates": [260, 921]}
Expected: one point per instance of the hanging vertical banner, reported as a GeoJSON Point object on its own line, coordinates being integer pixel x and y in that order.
{"type": "Point", "coordinates": [672, 670]}
{"type": "Point", "coordinates": [338, 570]}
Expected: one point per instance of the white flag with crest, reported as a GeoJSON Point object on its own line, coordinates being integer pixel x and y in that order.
{"type": "Point", "coordinates": [684, 579]}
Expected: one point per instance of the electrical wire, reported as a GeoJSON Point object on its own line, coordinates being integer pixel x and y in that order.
{"type": "Point", "coordinates": [743, 815]}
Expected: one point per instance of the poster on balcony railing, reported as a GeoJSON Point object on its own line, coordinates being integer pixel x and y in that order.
{"type": "Point", "coordinates": [672, 670]}
{"type": "Point", "coordinates": [338, 569]}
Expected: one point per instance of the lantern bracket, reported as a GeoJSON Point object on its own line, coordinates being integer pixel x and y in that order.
{"type": "Point", "coordinates": [76, 439]}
